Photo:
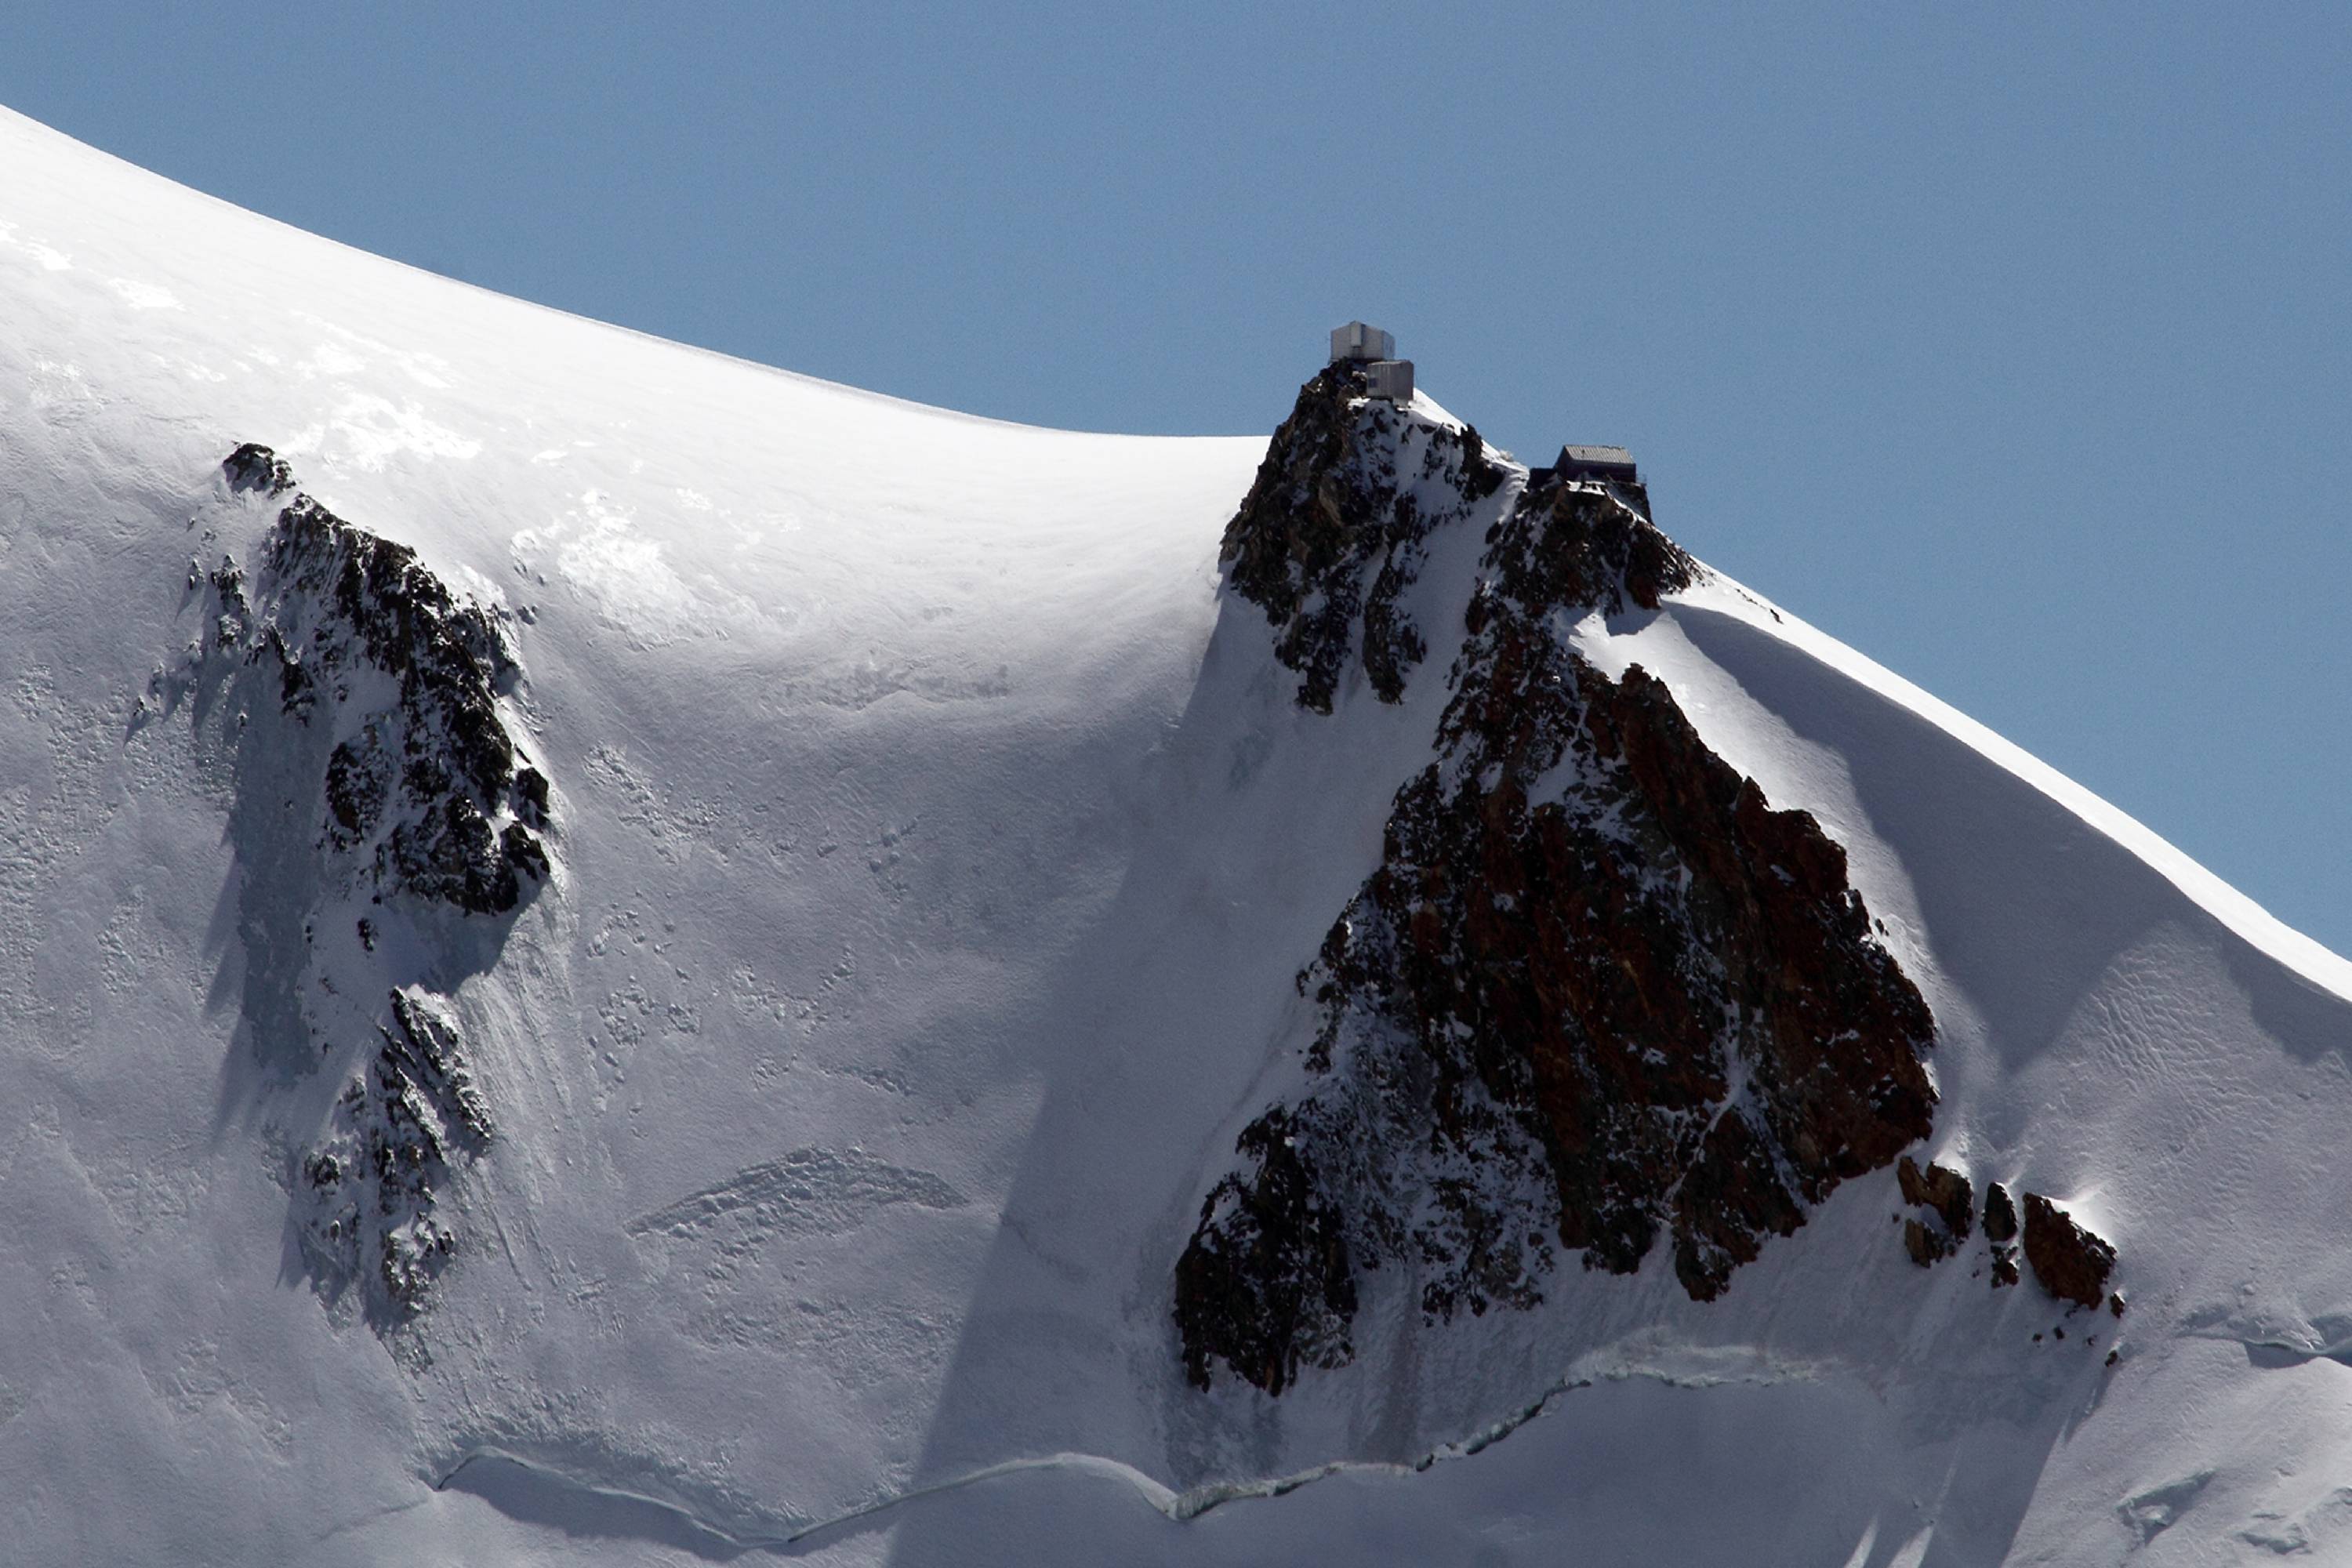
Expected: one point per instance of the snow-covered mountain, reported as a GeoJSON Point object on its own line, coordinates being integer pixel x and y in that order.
{"type": "Point", "coordinates": [612, 955]}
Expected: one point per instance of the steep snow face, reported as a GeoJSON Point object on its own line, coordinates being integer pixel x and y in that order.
{"type": "Point", "coordinates": [929, 847]}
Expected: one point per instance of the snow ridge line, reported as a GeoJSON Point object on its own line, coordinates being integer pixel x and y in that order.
{"type": "Point", "coordinates": [1180, 1507]}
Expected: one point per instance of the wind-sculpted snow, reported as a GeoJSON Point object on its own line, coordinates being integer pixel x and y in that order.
{"type": "Point", "coordinates": [379, 793]}
{"type": "Point", "coordinates": [807, 1190]}
{"type": "Point", "coordinates": [1598, 991]}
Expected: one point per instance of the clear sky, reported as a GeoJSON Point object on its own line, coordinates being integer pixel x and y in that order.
{"type": "Point", "coordinates": [2012, 344]}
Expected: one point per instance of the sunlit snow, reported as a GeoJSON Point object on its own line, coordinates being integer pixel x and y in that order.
{"type": "Point", "coordinates": [938, 852]}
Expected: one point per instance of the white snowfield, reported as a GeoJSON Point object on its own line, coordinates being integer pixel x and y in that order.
{"type": "Point", "coordinates": [935, 848]}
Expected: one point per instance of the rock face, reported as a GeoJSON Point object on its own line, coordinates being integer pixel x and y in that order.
{"type": "Point", "coordinates": [380, 795]}
{"type": "Point", "coordinates": [2071, 1263]}
{"type": "Point", "coordinates": [1945, 1191]}
{"type": "Point", "coordinates": [1598, 991]}
{"type": "Point", "coordinates": [373, 1182]}
{"type": "Point", "coordinates": [253, 466]}
{"type": "Point", "coordinates": [1335, 528]}
{"type": "Point", "coordinates": [1268, 1279]}
{"type": "Point", "coordinates": [2001, 1230]}
{"type": "Point", "coordinates": [417, 784]}
{"type": "Point", "coordinates": [1927, 1244]}
{"type": "Point", "coordinates": [1999, 1216]}
{"type": "Point", "coordinates": [1950, 1204]}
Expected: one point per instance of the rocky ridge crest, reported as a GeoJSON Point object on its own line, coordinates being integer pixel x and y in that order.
{"type": "Point", "coordinates": [1335, 527]}
{"type": "Point", "coordinates": [1598, 992]}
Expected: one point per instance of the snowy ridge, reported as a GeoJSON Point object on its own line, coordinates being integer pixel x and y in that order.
{"type": "Point", "coordinates": [2242, 915]}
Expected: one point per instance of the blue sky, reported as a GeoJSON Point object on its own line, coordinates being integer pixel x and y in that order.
{"type": "Point", "coordinates": [2011, 344]}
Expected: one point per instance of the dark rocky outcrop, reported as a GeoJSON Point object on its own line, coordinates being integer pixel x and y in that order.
{"type": "Point", "coordinates": [380, 800]}
{"type": "Point", "coordinates": [1950, 1204]}
{"type": "Point", "coordinates": [1598, 991]}
{"type": "Point", "coordinates": [1577, 546]}
{"type": "Point", "coordinates": [2001, 1230]}
{"type": "Point", "coordinates": [253, 466]}
{"type": "Point", "coordinates": [421, 782]}
{"type": "Point", "coordinates": [1943, 1191]}
{"type": "Point", "coordinates": [2071, 1263]}
{"type": "Point", "coordinates": [2000, 1214]}
{"type": "Point", "coordinates": [1335, 528]}
{"type": "Point", "coordinates": [1271, 1283]}
{"type": "Point", "coordinates": [370, 1186]}
{"type": "Point", "coordinates": [1927, 1244]}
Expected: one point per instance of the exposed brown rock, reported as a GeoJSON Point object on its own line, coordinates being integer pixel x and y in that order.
{"type": "Point", "coordinates": [1597, 987]}
{"type": "Point", "coordinates": [1926, 1244]}
{"type": "Point", "coordinates": [1574, 544]}
{"type": "Point", "coordinates": [2071, 1264]}
{"type": "Point", "coordinates": [2004, 1267]}
{"type": "Point", "coordinates": [1944, 1191]}
{"type": "Point", "coordinates": [1946, 1195]}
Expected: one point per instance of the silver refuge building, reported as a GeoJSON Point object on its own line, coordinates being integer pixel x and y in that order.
{"type": "Point", "coordinates": [1391, 377]}
{"type": "Point", "coordinates": [1358, 342]}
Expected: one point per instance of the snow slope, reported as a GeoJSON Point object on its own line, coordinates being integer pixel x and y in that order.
{"type": "Point", "coordinates": [934, 849]}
